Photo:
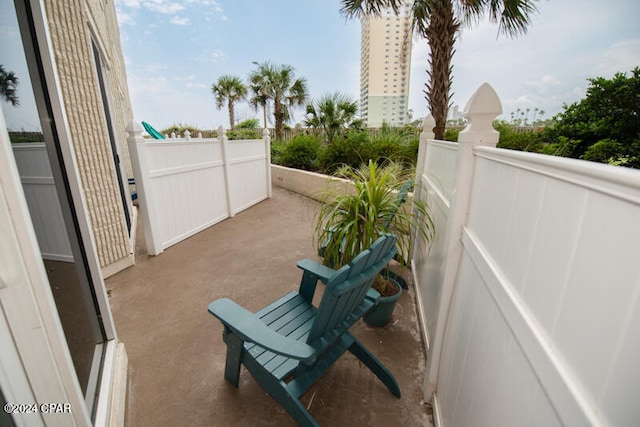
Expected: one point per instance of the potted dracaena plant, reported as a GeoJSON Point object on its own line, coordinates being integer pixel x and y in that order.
{"type": "Point", "coordinates": [348, 222]}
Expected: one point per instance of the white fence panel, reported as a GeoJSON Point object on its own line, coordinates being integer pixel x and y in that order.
{"type": "Point", "coordinates": [186, 178]}
{"type": "Point", "coordinates": [42, 199]}
{"type": "Point", "coordinates": [185, 186]}
{"type": "Point", "coordinates": [435, 185]}
{"type": "Point", "coordinates": [248, 166]}
{"type": "Point", "coordinates": [538, 313]}
{"type": "Point", "coordinates": [558, 242]}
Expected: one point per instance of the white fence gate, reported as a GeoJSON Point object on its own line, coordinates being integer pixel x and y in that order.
{"type": "Point", "coordinates": [42, 198]}
{"type": "Point", "coordinates": [187, 185]}
{"type": "Point", "coordinates": [530, 294]}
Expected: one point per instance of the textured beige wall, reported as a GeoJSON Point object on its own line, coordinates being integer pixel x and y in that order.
{"type": "Point", "coordinates": [72, 25]}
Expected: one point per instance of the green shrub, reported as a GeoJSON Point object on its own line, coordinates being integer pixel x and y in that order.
{"type": "Point", "coordinates": [602, 151]}
{"type": "Point", "coordinates": [18, 137]}
{"type": "Point", "coordinates": [605, 124]}
{"type": "Point", "coordinates": [248, 124]}
{"type": "Point", "coordinates": [350, 149]}
{"type": "Point", "coordinates": [396, 144]}
{"type": "Point", "coordinates": [451, 134]}
{"type": "Point", "coordinates": [562, 147]}
{"type": "Point", "coordinates": [179, 129]}
{"type": "Point", "coordinates": [301, 152]}
{"type": "Point", "coordinates": [277, 149]}
{"type": "Point", "coordinates": [521, 141]}
{"type": "Point", "coordinates": [244, 134]}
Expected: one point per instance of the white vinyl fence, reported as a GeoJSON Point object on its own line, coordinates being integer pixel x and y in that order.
{"type": "Point", "coordinates": [530, 294]}
{"type": "Point", "coordinates": [42, 198]}
{"type": "Point", "coordinates": [187, 185]}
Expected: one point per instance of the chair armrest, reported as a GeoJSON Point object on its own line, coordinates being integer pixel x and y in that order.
{"type": "Point", "coordinates": [373, 295]}
{"type": "Point", "coordinates": [321, 272]}
{"type": "Point", "coordinates": [244, 324]}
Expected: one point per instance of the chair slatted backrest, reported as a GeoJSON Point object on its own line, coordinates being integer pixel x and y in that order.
{"type": "Point", "coordinates": [346, 290]}
{"type": "Point", "coordinates": [401, 198]}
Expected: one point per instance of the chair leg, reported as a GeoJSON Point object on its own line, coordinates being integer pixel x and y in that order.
{"type": "Point", "coordinates": [280, 392]}
{"type": "Point", "coordinates": [361, 352]}
{"type": "Point", "coordinates": [294, 407]}
{"type": "Point", "coordinates": [235, 347]}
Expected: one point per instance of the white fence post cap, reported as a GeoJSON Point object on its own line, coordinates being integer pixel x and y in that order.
{"type": "Point", "coordinates": [133, 128]}
{"type": "Point", "coordinates": [483, 107]}
{"type": "Point", "coordinates": [427, 126]}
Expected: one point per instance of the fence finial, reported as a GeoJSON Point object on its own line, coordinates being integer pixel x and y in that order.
{"type": "Point", "coordinates": [427, 126]}
{"type": "Point", "coordinates": [134, 129]}
{"type": "Point", "coordinates": [482, 109]}
{"type": "Point", "coordinates": [221, 132]}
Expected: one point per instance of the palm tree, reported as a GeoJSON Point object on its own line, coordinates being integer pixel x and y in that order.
{"type": "Point", "coordinates": [8, 86]}
{"type": "Point", "coordinates": [277, 83]}
{"type": "Point", "coordinates": [231, 89]}
{"type": "Point", "coordinates": [331, 113]}
{"type": "Point", "coordinates": [258, 84]}
{"type": "Point", "coordinates": [439, 22]}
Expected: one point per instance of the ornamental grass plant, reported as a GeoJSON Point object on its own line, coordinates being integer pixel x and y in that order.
{"type": "Point", "coordinates": [349, 222]}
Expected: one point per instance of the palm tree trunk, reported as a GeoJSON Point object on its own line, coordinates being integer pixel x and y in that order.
{"type": "Point", "coordinates": [441, 35]}
{"type": "Point", "coordinates": [231, 118]}
{"type": "Point", "coordinates": [278, 115]}
{"type": "Point", "coordinates": [264, 115]}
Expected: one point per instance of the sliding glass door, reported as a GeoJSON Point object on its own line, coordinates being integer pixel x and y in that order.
{"type": "Point", "coordinates": [35, 135]}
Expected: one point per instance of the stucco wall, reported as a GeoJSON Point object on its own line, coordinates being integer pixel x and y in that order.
{"type": "Point", "coordinates": [308, 184]}
{"type": "Point", "coordinates": [73, 24]}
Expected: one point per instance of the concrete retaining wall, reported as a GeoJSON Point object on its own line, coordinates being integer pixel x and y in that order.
{"type": "Point", "coordinates": [310, 184]}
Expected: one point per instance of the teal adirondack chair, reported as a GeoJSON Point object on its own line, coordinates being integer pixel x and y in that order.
{"type": "Point", "coordinates": [289, 344]}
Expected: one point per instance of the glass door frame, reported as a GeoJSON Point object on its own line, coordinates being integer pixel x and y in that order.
{"type": "Point", "coordinates": [54, 352]}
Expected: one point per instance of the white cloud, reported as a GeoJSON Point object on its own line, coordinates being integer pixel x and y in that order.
{"type": "Point", "coordinates": [545, 84]}
{"type": "Point", "coordinates": [179, 21]}
{"type": "Point", "coordinates": [154, 68]}
{"type": "Point", "coordinates": [187, 78]}
{"type": "Point", "coordinates": [124, 18]}
{"type": "Point", "coordinates": [215, 56]}
{"type": "Point", "coordinates": [146, 85]}
{"type": "Point", "coordinates": [197, 85]}
{"type": "Point", "coordinates": [129, 3]}
{"type": "Point", "coordinates": [622, 56]}
{"type": "Point", "coordinates": [191, 82]}
{"type": "Point", "coordinates": [163, 6]}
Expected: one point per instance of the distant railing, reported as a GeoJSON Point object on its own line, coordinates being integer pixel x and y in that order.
{"type": "Point", "coordinates": [186, 185]}
{"type": "Point", "coordinates": [290, 133]}
{"type": "Point", "coordinates": [25, 137]}
{"type": "Point", "coordinates": [530, 293]}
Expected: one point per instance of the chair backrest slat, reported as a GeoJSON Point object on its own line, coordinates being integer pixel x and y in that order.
{"type": "Point", "coordinates": [346, 290]}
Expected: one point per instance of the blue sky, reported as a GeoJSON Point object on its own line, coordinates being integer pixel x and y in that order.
{"type": "Point", "coordinates": [175, 51]}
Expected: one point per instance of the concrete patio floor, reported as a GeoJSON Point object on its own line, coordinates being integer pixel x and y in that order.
{"type": "Point", "coordinates": [175, 348]}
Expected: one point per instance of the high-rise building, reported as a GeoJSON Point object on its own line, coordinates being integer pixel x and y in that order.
{"type": "Point", "coordinates": [385, 62]}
